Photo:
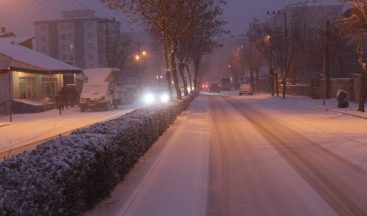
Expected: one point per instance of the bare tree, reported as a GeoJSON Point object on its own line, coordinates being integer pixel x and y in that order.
{"type": "Point", "coordinates": [354, 25]}
{"type": "Point", "coordinates": [166, 19]}
{"type": "Point", "coordinates": [199, 38]}
{"type": "Point", "coordinates": [253, 60]}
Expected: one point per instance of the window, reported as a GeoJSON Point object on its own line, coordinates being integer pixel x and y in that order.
{"type": "Point", "coordinates": [70, 36]}
{"type": "Point", "coordinates": [63, 37]}
{"type": "Point", "coordinates": [27, 87]}
{"type": "Point", "coordinates": [90, 46]}
{"type": "Point", "coordinates": [71, 58]}
{"type": "Point", "coordinates": [90, 34]}
{"type": "Point", "coordinates": [63, 58]}
{"type": "Point", "coordinates": [90, 56]}
{"type": "Point", "coordinates": [89, 24]}
{"type": "Point", "coordinates": [63, 47]}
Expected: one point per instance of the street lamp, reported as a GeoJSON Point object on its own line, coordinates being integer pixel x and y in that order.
{"type": "Point", "coordinates": [137, 57]}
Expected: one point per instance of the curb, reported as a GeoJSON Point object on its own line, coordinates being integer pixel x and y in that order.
{"type": "Point", "coordinates": [342, 112]}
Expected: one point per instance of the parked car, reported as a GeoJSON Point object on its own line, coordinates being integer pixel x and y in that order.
{"type": "Point", "coordinates": [101, 89]}
{"type": "Point", "coordinates": [214, 87]}
{"type": "Point", "coordinates": [245, 89]}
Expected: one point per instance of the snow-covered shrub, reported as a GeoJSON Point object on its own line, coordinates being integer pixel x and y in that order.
{"type": "Point", "coordinates": [69, 175]}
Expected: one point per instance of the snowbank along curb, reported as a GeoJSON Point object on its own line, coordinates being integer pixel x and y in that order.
{"type": "Point", "coordinates": [69, 175]}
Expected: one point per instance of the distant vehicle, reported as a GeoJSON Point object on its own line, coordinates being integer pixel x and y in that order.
{"type": "Point", "coordinates": [155, 95]}
{"type": "Point", "coordinates": [205, 86]}
{"type": "Point", "coordinates": [245, 89]}
{"type": "Point", "coordinates": [214, 87]}
{"type": "Point", "coordinates": [226, 84]}
{"type": "Point", "coordinates": [101, 89]}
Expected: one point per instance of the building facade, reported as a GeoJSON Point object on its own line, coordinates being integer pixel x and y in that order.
{"type": "Point", "coordinates": [79, 39]}
{"type": "Point", "coordinates": [28, 76]}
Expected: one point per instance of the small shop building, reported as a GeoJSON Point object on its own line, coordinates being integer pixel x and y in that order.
{"type": "Point", "coordinates": [31, 80]}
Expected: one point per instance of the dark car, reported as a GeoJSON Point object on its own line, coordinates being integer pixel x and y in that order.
{"type": "Point", "coordinates": [214, 87]}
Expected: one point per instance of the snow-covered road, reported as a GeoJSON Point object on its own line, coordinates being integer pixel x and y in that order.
{"type": "Point", "coordinates": [251, 155]}
{"type": "Point", "coordinates": [28, 130]}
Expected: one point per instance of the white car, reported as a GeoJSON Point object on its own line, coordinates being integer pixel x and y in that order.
{"type": "Point", "coordinates": [246, 89]}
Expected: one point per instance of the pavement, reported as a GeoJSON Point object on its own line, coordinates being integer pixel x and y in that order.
{"type": "Point", "coordinates": [327, 105]}
{"type": "Point", "coordinates": [331, 106]}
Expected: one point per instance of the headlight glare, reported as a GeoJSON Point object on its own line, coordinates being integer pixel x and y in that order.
{"type": "Point", "coordinates": [164, 98]}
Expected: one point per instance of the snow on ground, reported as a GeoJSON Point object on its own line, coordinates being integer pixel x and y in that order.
{"type": "Point", "coordinates": [35, 127]}
{"type": "Point", "coordinates": [343, 131]}
{"type": "Point", "coordinates": [165, 182]}
{"type": "Point", "coordinates": [174, 181]}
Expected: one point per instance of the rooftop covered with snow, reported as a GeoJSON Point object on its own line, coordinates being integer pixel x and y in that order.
{"type": "Point", "coordinates": [19, 58]}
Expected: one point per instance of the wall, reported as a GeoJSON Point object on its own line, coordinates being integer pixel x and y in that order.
{"type": "Point", "coordinates": [346, 84]}
{"type": "Point", "coordinates": [300, 90]}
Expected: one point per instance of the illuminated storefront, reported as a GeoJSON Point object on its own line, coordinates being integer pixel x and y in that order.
{"type": "Point", "coordinates": [27, 74]}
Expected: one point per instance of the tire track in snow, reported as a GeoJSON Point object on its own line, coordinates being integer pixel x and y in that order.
{"type": "Point", "coordinates": [339, 182]}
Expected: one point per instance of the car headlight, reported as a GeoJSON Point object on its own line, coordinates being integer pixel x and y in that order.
{"type": "Point", "coordinates": [148, 98]}
{"type": "Point", "coordinates": [164, 98]}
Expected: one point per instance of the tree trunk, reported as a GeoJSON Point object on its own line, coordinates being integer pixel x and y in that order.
{"type": "Point", "coordinates": [363, 91]}
{"type": "Point", "coordinates": [284, 87]}
{"type": "Point", "coordinates": [257, 80]}
{"type": "Point", "coordinates": [174, 72]}
{"type": "Point", "coordinates": [196, 77]}
{"type": "Point", "coordinates": [272, 80]}
{"type": "Point", "coordinates": [189, 73]}
{"type": "Point", "coordinates": [277, 84]}
{"type": "Point", "coordinates": [168, 71]}
{"type": "Point", "coordinates": [181, 67]}
{"type": "Point", "coordinates": [252, 79]}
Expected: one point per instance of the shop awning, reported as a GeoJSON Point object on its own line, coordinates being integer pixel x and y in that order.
{"type": "Point", "coordinates": [22, 59]}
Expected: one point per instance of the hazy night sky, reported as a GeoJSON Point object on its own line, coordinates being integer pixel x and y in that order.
{"type": "Point", "coordinates": [19, 15]}
{"type": "Point", "coordinates": [239, 13]}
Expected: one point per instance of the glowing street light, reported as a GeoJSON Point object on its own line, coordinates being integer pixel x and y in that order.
{"type": "Point", "coordinates": [144, 53]}
{"type": "Point", "coordinates": [137, 57]}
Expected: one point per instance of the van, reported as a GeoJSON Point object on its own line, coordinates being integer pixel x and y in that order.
{"type": "Point", "coordinates": [245, 89]}
{"type": "Point", "coordinates": [101, 89]}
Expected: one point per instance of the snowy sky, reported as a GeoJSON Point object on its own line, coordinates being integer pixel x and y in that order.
{"type": "Point", "coordinates": [19, 15]}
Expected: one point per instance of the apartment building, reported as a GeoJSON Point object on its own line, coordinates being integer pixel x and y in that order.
{"type": "Point", "coordinates": [79, 38]}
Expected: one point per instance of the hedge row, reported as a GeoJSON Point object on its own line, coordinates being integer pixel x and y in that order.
{"type": "Point", "coordinates": [69, 175]}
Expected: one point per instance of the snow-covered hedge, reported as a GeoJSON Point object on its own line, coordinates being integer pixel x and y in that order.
{"type": "Point", "coordinates": [69, 175]}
